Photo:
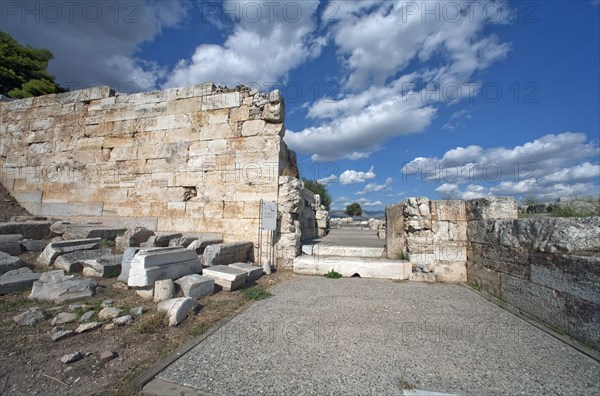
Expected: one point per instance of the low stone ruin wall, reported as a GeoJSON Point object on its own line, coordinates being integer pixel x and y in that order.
{"type": "Point", "coordinates": [547, 267]}
{"type": "Point", "coordinates": [432, 235]}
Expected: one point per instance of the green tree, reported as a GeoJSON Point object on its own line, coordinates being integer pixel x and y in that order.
{"type": "Point", "coordinates": [354, 209]}
{"type": "Point", "coordinates": [23, 70]}
{"type": "Point", "coordinates": [320, 189]}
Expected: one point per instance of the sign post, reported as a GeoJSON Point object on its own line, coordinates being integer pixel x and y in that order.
{"type": "Point", "coordinates": [267, 221]}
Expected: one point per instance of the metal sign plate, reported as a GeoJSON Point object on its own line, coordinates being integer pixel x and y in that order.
{"type": "Point", "coordinates": [269, 216]}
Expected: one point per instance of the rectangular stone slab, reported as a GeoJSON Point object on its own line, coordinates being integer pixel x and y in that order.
{"type": "Point", "coordinates": [55, 249]}
{"type": "Point", "coordinates": [103, 267]}
{"type": "Point", "coordinates": [254, 273]}
{"type": "Point", "coordinates": [139, 277]}
{"type": "Point", "coordinates": [8, 262]}
{"type": "Point", "coordinates": [152, 258]}
{"type": "Point", "coordinates": [229, 278]}
{"type": "Point", "coordinates": [17, 280]}
{"type": "Point", "coordinates": [73, 261]}
{"type": "Point", "coordinates": [196, 286]}
{"type": "Point", "coordinates": [226, 253]}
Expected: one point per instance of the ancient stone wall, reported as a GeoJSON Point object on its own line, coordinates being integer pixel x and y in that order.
{"type": "Point", "coordinates": [547, 267]}
{"type": "Point", "coordinates": [193, 159]}
{"type": "Point", "coordinates": [432, 235]}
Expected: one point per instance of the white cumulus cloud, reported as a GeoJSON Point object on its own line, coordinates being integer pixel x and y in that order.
{"type": "Point", "coordinates": [351, 176]}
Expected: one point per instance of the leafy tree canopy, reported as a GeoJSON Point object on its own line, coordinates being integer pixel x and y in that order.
{"type": "Point", "coordinates": [320, 189]}
{"type": "Point", "coordinates": [23, 71]}
{"type": "Point", "coordinates": [354, 209]}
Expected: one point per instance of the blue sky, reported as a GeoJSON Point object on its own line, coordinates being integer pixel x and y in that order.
{"type": "Point", "coordinates": [384, 100]}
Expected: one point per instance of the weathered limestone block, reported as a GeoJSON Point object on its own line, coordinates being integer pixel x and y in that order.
{"type": "Point", "coordinates": [570, 274]}
{"type": "Point", "coordinates": [81, 231]}
{"type": "Point", "coordinates": [200, 245]}
{"type": "Point", "coordinates": [8, 263]}
{"type": "Point", "coordinates": [540, 301]}
{"type": "Point", "coordinates": [58, 287]}
{"type": "Point", "coordinates": [221, 101]}
{"type": "Point", "coordinates": [103, 267]}
{"type": "Point", "coordinates": [161, 240]}
{"type": "Point", "coordinates": [11, 244]}
{"type": "Point", "coordinates": [226, 253]}
{"type": "Point", "coordinates": [152, 264]}
{"type": "Point", "coordinates": [491, 208]}
{"type": "Point", "coordinates": [450, 271]}
{"type": "Point", "coordinates": [128, 256]}
{"type": "Point", "coordinates": [17, 280]}
{"type": "Point", "coordinates": [422, 277]}
{"type": "Point", "coordinates": [73, 262]}
{"type": "Point", "coordinates": [109, 313]}
{"type": "Point", "coordinates": [254, 273]}
{"type": "Point", "coordinates": [290, 195]}
{"type": "Point", "coordinates": [448, 210]}
{"type": "Point", "coordinates": [29, 317]}
{"type": "Point", "coordinates": [177, 309]}
{"type": "Point", "coordinates": [55, 249]}
{"type": "Point", "coordinates": [184, 241]}
{"type": "Point", "coordinates": [164, 290]}
{"type": "Point", "coordinates": [29, 229]}
{"type": "Point", "coordinates": [196, 286]}
{"type": "Point", "coordinates": [229, 278]}
{"type": "Point", "coordinates": [484, 278]}
{"type": "Point", "coordinates": [32, 245]}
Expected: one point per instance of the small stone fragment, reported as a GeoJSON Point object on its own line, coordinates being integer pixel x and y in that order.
{"type": "Point", "coordinates": [63, 317]}
{"type": "Point", "coordinates": [146, 294]}
{"type": "Point", "coordinates": [86, 316]}
{"type": "Point", "coordinates": [137, 311]}
{"type": "Point", "coordinates": [87, 327]}
{"type": "Point", "coordinates": [29, 317]}
{"type": "Point", "coordinates": [73, 357]}
{"type": "Point", "coordinates": [123, 320]}
{"type": "Point", "coordinates": [60, 335]}
{"type": "Point", "coordinates": [107, 303]}
{"type": "Point", "coordinates": [106, 356]}
{"type": "Point", "coordinates": [109, 313]}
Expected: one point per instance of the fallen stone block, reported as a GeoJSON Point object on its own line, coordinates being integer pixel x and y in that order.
{"type": "Point", "coordinates": [146, 294]}
{"type": "Point", "coordinates": [226, 253]}
{"type": "Point", "coordinates": [103, 267]}
{"type": "Point", "coordinates": [11, 244]}
{"type": "Point", "coordinates": [164, 290]}
{"type": "Point", "coordinates": [133, 238]}
{"type": "Point", "coordinates": [29, 229]}
{"type": "Point", "coordinates": [29, 317]}
{"type": "Point", "coordinates": [137, 311]}
{"type": "Point", "coordinates": [254, 273]}
{"type": "Point", "coordinates": [17, 280]}
{"type": "Point", "coordinates": [8, 263]}
{"type": "Point", "coordinates": [128, 255]}
{"type": "Point", "coordinates": [58, 287]}
{"type": "Point", "coordinates": [150, 265]}
{"type": "Point", "coordinates": [196, 286]}
{"type": "Point", "coordinates": [106, 356]}
{"type": "Point", "coordinates": [55, 249]}
{"type": "Point", "coordinates": [177, 309]}
{"type": "Point", "coordinates": [184, 241]}
{"type": "Point", "coordinates": [160, 240]}
{"type": "Point", "coordinates": [200, 245]}
{"type": "Point", "coordinates": [86, 316]}
{"type": "Point", "coordinates": [229, 278]}
{"type": "Point", "coordinates": [32, 245]}
{"type": "Point", "coordinates": [73, 262]}
{"type": "Point", "coordinates": [86, 231]}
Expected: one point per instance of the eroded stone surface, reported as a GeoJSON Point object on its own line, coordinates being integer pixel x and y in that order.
{"type": "Point", "coordinates": [55, 249]}
{"type": "Point", "coordinates": [196, 286]}
{"type": "Point", "coordinates": [177, 309]}
{"type": "Point", "coordinates": [226, 253]}
{"type": "Point", "coordinates": [254, 273]}
{"type": "Point", "coordinates": [58, 287]}
{"type": "Point", "coordinates": [229, 278]}
{"type": "Point", "coordinates": [17, 280]}
{"type": "Point", "coordinates": [150, 265]}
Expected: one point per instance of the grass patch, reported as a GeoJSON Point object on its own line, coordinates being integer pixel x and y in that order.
{"type": "Point", "coordinates": [107, 243]}
{"type": "Point", "coordinates": [12, 306]}
{"type": "Point", "coordinates": [151, 322]}
{"type": "Point", "coordinates": [255, 293]}
{"type": "Point", "coordinates": [332, 275]}
{"type": "Point", "coordinates": [198, 329]}
{"type": "Point", "coordinates": [401, 256]}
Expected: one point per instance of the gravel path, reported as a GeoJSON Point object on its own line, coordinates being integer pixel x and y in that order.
{"type": "Point", "coordinates": [375, 337]}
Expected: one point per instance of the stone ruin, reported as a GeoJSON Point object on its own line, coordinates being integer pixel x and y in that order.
{"type": "Point", "coordinates": [193, 160]}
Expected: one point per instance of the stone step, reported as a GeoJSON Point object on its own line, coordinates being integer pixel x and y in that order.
{"type": "Point", "coordinates": [365, 267]}
{"type": "Point", "coordinates": [334, 249]}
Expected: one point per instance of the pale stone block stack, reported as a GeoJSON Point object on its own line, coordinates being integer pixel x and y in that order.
{"type": "Point", "coordinates": [152, 264]}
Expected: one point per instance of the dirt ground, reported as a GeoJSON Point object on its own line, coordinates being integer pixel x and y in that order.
{"type": "Point", "coordinates": [30, 361]}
